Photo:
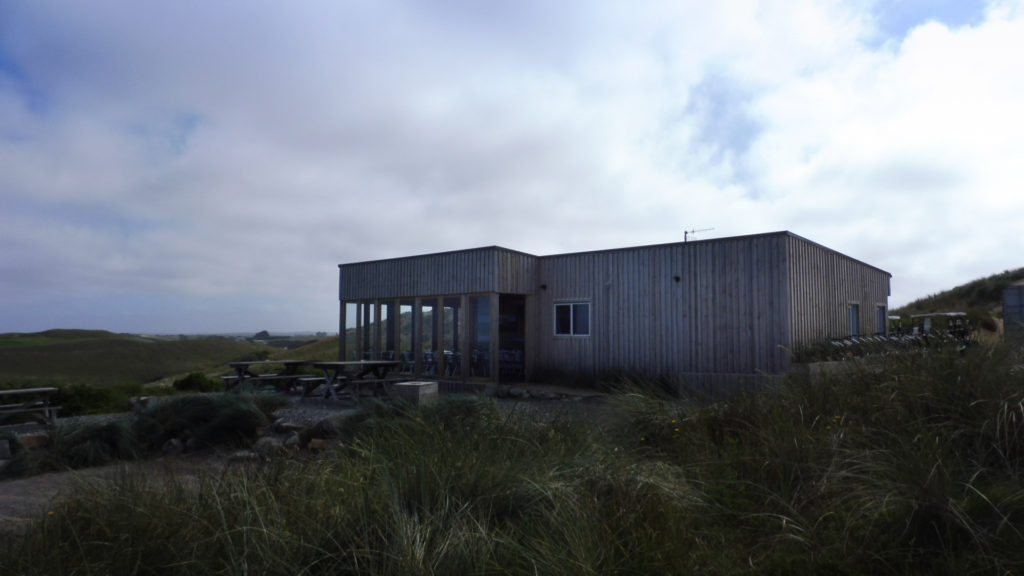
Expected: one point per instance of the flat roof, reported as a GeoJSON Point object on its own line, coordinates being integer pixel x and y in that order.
{"type": "Point", "coordinates": [624, 248]}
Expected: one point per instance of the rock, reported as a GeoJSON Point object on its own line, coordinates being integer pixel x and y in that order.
{"type": "Point", "coordinates": [244, 456]}
{"type": "Point", "coordinates": [193, 444]}
{"type": "Point", "coordinates": [518, 393]}
{"type": "Point", "coordinates": [292, 442]}
{"type": "Point", "coordinates": [139, 403]}
{"type": "Point", "coordinates": [172, 446]}
{"type": "Point", "coordinates": [325, 428]}
{"type": "Point", "coordinates": [282, 426]}
{"type": "Point", "coordinates": [268, 447]}
{"type": "Point", "coordinates": [5, 449]}
{"type": "Point", "coordinates": [318, 444]}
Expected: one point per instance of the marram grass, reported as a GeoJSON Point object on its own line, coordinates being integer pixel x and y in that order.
{"type": "Point", "coordinates": [909, 466]}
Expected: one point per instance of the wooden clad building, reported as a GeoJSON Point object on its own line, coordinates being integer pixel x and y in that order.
{"type": "Point", "coordinates": [704, 311]}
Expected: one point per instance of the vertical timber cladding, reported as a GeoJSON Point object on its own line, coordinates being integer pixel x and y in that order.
{"type": "Point", "coordinates": [823, 284]}
{"type": "Point", "coordinates": [569, 278]}
{"type": "Point", "coordinates": [696, 307]}
{"type": "Point", "coordinates": [736, 321]}
{"type": "Point", "coordinates": [479, 270]}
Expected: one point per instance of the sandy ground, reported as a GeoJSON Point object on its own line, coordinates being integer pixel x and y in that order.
{"type": "Point", "coordinates": [26, 499]}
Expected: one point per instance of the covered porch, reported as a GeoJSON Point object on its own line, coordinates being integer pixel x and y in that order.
{"type": "Point", "coordinates": [469, 336]}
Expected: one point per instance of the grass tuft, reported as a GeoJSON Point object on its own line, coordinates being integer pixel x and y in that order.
{"type": "Point", "coordinates": [907, 465]}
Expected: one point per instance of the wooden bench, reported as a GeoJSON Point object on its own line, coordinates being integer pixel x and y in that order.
{"type": "Point", "coordinates": [281, 382]}
{"type": "Point", "coordinates": [33, 406]}
{"type": "Point", "coordinates": [310, 383]}
{"type": "Point", "coordinates": [229, 382]}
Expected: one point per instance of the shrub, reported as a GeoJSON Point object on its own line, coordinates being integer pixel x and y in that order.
{"type": "Point", "coordinates": [197, 382]}
{"type": "Point", "coordinates": [79, 399]}
{"type": "Point", "coordinates": [236, 424]}
{"type": "Point", "coordinates": [210, 418]}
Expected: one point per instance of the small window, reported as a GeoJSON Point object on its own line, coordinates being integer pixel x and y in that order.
{"type": "Point", "coordinates": [854, 319]}
{"type": "Point", "coordinates": [572, 319]}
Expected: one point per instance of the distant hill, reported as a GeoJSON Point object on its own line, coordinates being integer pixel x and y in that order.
{"type": "Point", "coordinates": [981, 299]}
{"type": "Point", "coordinates": [320, 349]}
{"type": "Point", "coordinates": [97, 357]}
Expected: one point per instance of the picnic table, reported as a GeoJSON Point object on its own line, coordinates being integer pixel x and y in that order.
{"type": "Point", "coordinates": [286, 378]}
{"type": "Point", "coordinates": [31, 403]}
{"type": "Point", "coordinates": [351, 376]}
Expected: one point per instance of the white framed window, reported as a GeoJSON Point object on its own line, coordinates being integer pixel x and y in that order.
{"type": "Point", "coordinates": [572, 319]}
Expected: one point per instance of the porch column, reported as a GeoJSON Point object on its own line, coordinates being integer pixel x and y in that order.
{"type": "Point", "coordinates": [341, 331]}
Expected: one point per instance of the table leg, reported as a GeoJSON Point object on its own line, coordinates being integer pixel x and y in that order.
{"type": "Point", "coordinates": [330, 377]}
{"type": "Point", "coordinates": [240, 373]}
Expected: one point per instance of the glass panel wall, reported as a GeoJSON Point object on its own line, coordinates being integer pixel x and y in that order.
{"type": "Point", "coordinates": [349, 335]}
{"type": "Point", "coordinates": [387, 328]}
{"type": "Point", "coordinates": [479, 336]}
{"type": "Point", "coordinates": [452, 334]}
{"type": "Point", "coordinates": [443, 337]}
{"type": "Point", "coordinates": [428, 332]}
{"type": "Point", "coordinates": [368, 317]}
{"type": "Point", "coordinates": [406, 329]}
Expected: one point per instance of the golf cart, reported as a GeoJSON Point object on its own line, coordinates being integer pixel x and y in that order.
{"type": "Point", "coordinates": [952, 326]}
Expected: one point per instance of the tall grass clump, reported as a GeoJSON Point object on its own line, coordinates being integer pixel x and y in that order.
{"type": "Point", "coordinates": [208, 418]}
{"type": "Point", "coordinates": [904, 464]}
{"type": "Point", "coordinates": [459, 487]}
{"type": "Point", "coordinates": [74, 446]}
{"type": "Point", "coordinates": [88, 445]}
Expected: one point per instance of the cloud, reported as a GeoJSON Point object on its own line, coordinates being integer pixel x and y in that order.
{"type": "Point", "coordinates": [197, 158]}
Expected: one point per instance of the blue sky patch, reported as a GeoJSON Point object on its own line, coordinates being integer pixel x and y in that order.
{"type": "Point", "coordinates": [896, 18]}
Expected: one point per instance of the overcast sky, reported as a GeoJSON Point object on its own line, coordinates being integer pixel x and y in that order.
{"type": "Point", "coordinates": [189, 167]}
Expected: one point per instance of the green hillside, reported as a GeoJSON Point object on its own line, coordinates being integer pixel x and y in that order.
{"type": "Point", "coordinates": [94, 357]}
{"type": "Point", "coordinates": [982, 299]}
{"type": "Point", "coordinates": [324, 349]}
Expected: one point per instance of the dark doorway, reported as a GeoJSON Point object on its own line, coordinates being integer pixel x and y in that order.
{"type": "Point", "coordinates": [511, 337]}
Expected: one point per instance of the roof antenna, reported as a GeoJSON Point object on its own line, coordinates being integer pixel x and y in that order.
{"type": "Point", "coordinates": [688, 233]}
